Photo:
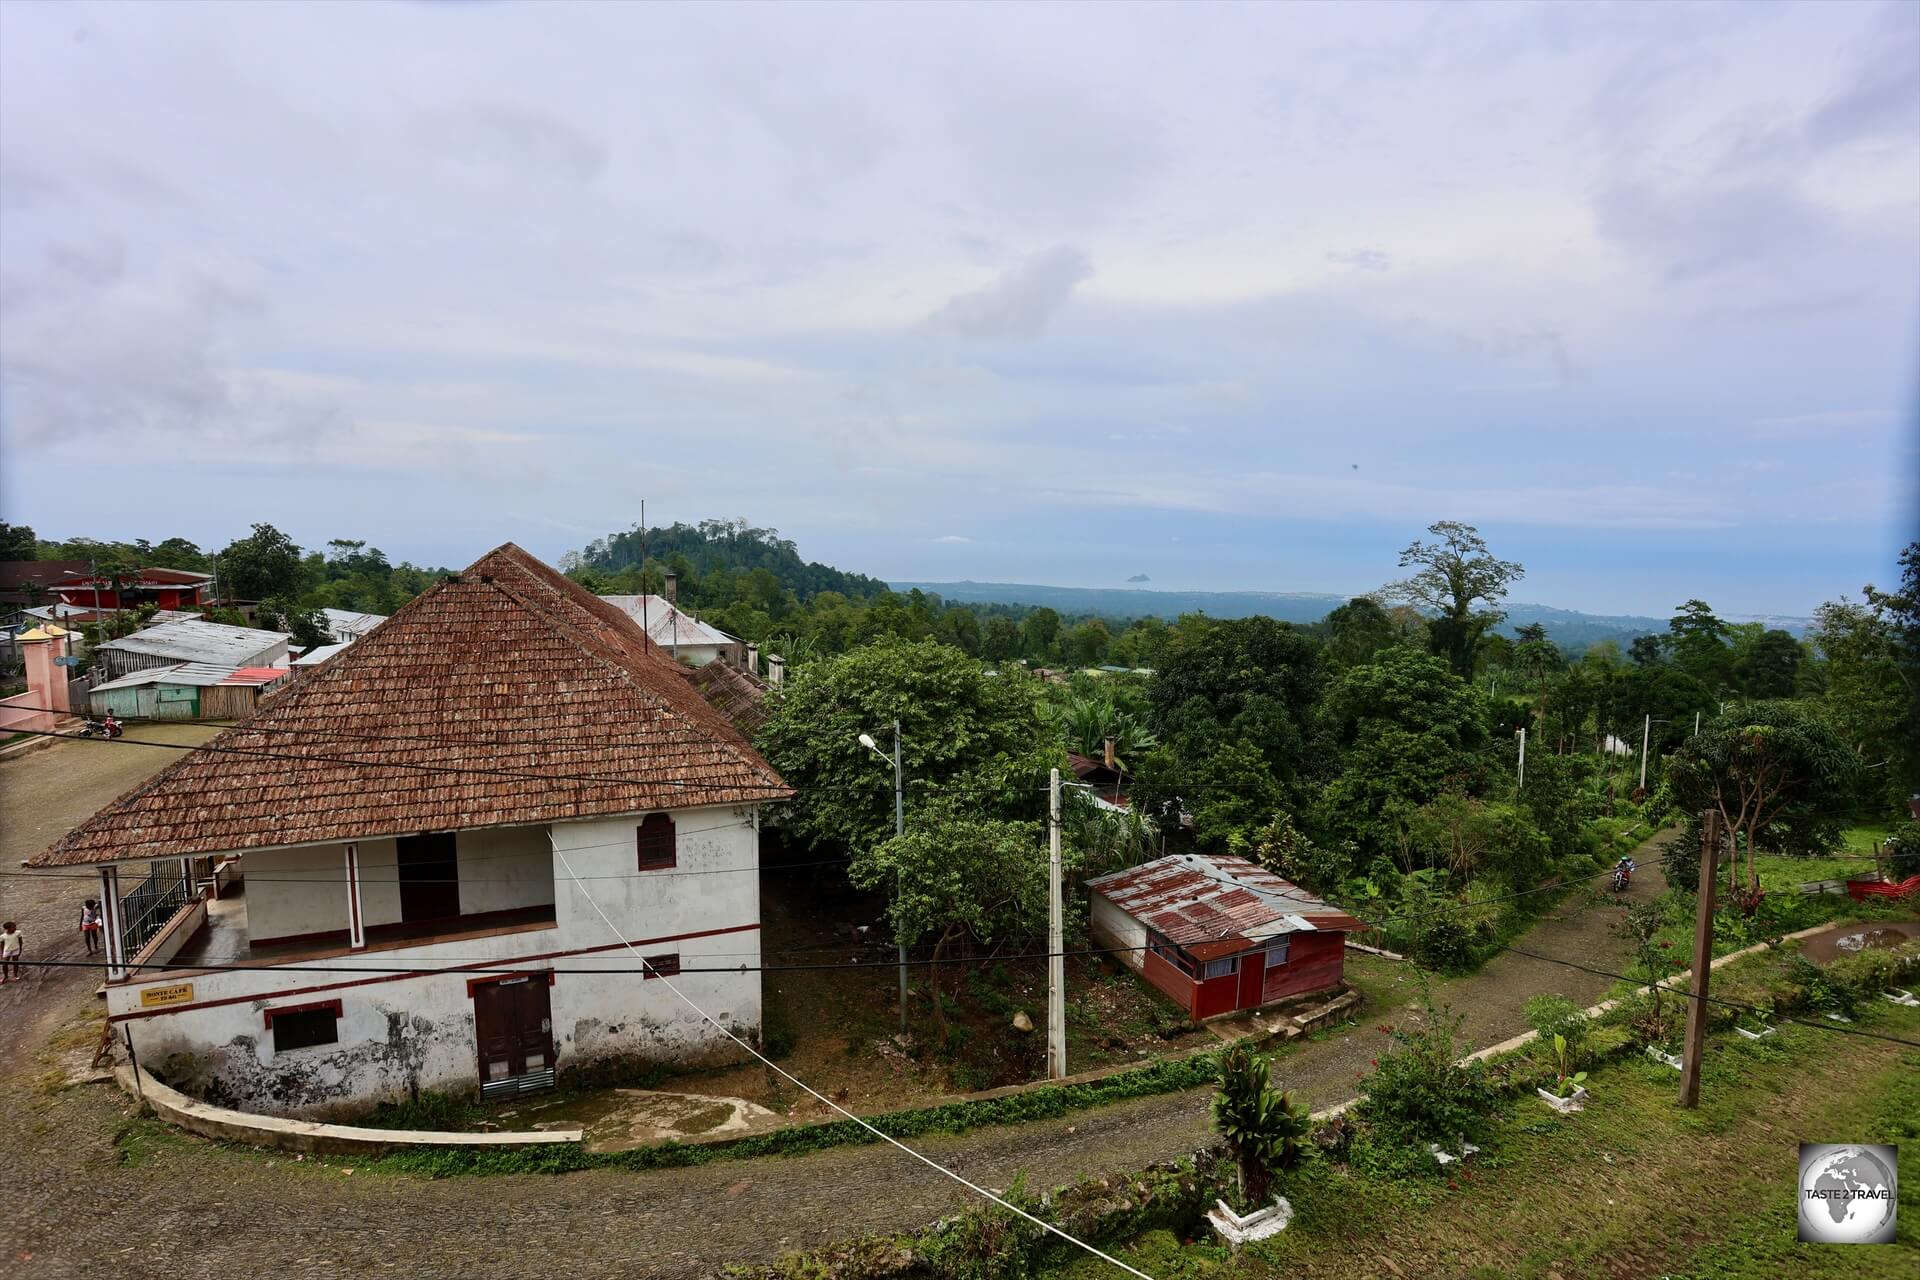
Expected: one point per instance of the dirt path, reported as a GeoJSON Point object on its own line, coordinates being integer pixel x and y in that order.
{"type": "Point", "coordinates": [78, 1205]}
{"type": "Point", "coordinates": [44, 795]}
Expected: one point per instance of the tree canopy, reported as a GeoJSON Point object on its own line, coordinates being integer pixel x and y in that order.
{"type": "Point", "coordinates": [1455, 573]}
{"type": "Point", "coordinates": [958, 723]}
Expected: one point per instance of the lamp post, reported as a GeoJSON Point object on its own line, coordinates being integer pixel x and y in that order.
{"type": "Point", "coordinates": [899, 829]}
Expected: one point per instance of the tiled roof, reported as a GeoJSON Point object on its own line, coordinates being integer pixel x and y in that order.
{"type": "Point", "coordinates": [507, 695]}
{"type": "Point", "coordinates": [1200, 898]}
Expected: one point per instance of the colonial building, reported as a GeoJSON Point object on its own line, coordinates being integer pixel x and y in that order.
{"type": "Point", "coordinates": [463, 839]}
{"type": "Point", "coordinates": [1219, 935]}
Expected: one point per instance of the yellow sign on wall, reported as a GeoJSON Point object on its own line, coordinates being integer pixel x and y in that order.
{"type": "Point", "coordinates": [171, 993]}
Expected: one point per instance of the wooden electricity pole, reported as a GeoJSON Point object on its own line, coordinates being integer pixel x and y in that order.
{"type": "Point", "coordinates": [1702, 960]}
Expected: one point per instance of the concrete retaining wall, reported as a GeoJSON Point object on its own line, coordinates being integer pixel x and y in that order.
{"type": "Point", "coordinates": [305, 1135]}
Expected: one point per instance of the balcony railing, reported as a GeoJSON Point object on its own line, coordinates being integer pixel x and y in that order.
{"type": "Point", "coordinates": [146, 909]}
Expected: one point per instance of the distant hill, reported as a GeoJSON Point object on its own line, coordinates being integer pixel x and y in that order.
{"type": "Point", "coordinates": [1569, 628]}
{"type": "Point", "coordinates": [733, 545]}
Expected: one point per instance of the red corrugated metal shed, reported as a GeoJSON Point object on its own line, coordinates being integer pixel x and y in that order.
{"type": "Point", "coordinates": [257, 675]}
{"type": "Point", "coordinates": [1200, 899]}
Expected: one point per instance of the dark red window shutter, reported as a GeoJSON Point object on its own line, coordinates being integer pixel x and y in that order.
{"type": "Point", "coordinates": [655, 839]}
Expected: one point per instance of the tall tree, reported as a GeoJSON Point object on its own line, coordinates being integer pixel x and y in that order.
{"type": "Point", "coordinates": [1768, 665]}
{"type": "Point", "coordinates": [1356, 631]}
{"type": "Point", "coordinates": [1406, 729]}
{"type": "Point", "coordinates": [1454, 574]}
{"type": "Point", "coordinates": [1255, 678]}
{"type": "Point", "coordinates": [1777, 773]}
{"type": "Point", "coordinates": [956, 721]}
{"type": "Point", "coordinates": [265, 563]}
{"type": "Point", "coordinates": [1698, 640]}
{"type": "Point", "coordinates": [956, 874]}
{"type": "Point", "coordinates": [17, 542]}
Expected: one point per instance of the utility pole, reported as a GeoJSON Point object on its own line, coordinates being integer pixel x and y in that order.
{"type": "Point", "coordinates": [1696, 724]}
{"type": "Point", "coordinates": [1646, 728]}
{"type": "Point", "coordinates": [1702, 959]}
{"type": "Point", "coordinates": [900, 829]}
{"type": "Point", "coordinates": [1523, 755]}
{"type": "Point", "coordinates": [1056, 942]}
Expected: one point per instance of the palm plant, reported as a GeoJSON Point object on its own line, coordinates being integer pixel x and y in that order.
{"type": "Point", "coordinates": [1084, 721]}
{"type": "Point", "coordinates": [1262, 1126]}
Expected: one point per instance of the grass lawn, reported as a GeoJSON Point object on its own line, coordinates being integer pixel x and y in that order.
{"type": "Point", "coordinates": [1863, 838]}
{"type": "Point", "coordinates": [1634, 1186]}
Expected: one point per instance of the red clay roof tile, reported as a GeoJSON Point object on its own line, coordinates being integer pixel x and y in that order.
{"type": "Point", "coordinates": [507, 695]}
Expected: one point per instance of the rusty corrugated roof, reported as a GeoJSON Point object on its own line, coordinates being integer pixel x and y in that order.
{"type": "Point", "coordinates": [508, 695]}
{"type": "Point", "coordinates": [1199, 898]}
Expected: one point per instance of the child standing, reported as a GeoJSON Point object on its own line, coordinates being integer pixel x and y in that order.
{"type": "Point", "coordinates": [90, 925]}
{"type": "Point", "coordinates": [10, 954]}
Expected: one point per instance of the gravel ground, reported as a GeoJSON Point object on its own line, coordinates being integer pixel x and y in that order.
{"type": "Point", "coordinates": [77, 1204]}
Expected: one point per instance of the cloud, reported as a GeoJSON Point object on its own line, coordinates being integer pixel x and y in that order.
{"type": "Point", "coordinates": [1832, 418]}
{"type": "Point", "coordinates": [1881, 96]}
{"type": "Point", "coordinates": [1021, 301]}
{"type": "Point", "coordinates": [92, 348]}
{"type": "Point", "coordinates": [1361, 259]}
{"type": "Point", "coordinates": [1694, 229]}
{"type": "Point", "coordinates": [517, 142]}
{"type": "Point", "coordinates": [953, 538]}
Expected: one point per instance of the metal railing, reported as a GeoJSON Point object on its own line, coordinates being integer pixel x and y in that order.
{"type": "Point", "coordinates": [146, 909]}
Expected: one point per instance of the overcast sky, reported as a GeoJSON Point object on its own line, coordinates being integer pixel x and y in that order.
{"type": "Point", "coordinates": [1234, 297]}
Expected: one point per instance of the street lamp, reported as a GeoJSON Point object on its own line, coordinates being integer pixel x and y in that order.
{"type": "Point", "coordinates": [899, 829]}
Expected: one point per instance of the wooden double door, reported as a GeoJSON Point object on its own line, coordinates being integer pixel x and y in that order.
{"type": "Point", "coordinates": [513, 1023]}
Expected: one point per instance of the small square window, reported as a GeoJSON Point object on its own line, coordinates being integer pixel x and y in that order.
{"type": "Point", "coordinates": [663, 966]}
{"type": "Point", "coordinates": [304, 1026]}
{"type": "Point", "coordinates": [655, 841]}
{"type": "Point", "coordinates": [1277, 951]}
{"type": "Point", "coordinates": [1221, 968]}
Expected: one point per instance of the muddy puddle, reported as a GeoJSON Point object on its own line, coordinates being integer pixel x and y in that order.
{"type": "Point", "coordinates": [615, 1119]}
{"type": "Point", "coordinates": [1851, 939]}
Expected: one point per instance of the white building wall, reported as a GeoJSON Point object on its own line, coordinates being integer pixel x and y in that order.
{"type": "Point", "coordinates": [399, 1033]}
{"type": "Point", "coordinates": [1113, 927]}
{"type": "Point", "coordinates": [295, 892]}
{"type": "Point", "coordinates": [504, 869]}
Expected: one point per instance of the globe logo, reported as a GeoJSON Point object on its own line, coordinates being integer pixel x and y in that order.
{"type": "Point", "coordinates": [1848, 1194]}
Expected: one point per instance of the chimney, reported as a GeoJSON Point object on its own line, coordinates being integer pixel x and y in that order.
{"type": "Point", "coordinates": [776, 669]}
{"type": "Point", "coordinates": [753, 659]}
{"type": "Point", "coordinates": [1112, 746]}
{"type": "Point", "coordinates": [672, 587]}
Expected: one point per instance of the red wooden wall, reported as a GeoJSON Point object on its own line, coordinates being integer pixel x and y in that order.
{"type": "Point", "coordinates": [1314, 961]}
{"type": "Point", "coordinates": [1177, 985]}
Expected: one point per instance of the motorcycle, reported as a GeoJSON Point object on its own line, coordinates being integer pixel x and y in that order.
{"type": "Point", "coordinates": [1622, 878]}
{"type": "Point", "coordinates": [107, 728]}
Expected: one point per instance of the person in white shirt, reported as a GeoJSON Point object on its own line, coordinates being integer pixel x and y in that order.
{"type": "Point", "coordinates": [10, 944]}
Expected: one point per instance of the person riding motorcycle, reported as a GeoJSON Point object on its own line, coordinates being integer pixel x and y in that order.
{"type": "Point", "coordinates": [1622, 874]}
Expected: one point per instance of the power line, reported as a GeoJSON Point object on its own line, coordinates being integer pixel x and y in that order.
{"type": "Point", "coordinates": [864, 1124]}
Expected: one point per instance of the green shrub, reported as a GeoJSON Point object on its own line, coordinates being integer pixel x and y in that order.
{"type": "Point", "coordinates": [1903, 848]}
{"type": "Point", "coordinates": [1818, 989]}
{"type": "Point", "coordinates": [1552, 1016]}
{"type": "Point", "coordinates": [1863, 976]}
{"type": "Point", "coordinates": [1262, 1126]}
{"type": "Point", "coordinates": [1419, 1091]}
